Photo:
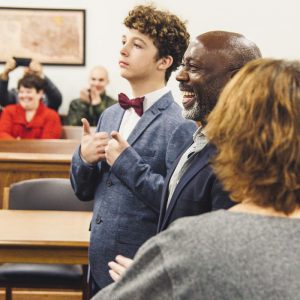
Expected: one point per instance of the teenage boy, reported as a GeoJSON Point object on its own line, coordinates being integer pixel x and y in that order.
{"type": "Point", "coordinates": [124, 174]}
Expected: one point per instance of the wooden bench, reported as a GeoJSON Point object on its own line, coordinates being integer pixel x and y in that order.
{"type": "Point", "coordinates": [74, 132]}
{"type": "Point", "coordinates": [71, 132]}
{"type": "Point", "coordinates": [27, 159]}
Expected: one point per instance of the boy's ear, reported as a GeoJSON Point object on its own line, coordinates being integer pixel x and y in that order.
{"type": "Point", "coordinates": [165, 62]}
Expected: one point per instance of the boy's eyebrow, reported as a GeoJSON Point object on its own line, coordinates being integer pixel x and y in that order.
{"type": "Point", "coordinates": [135, 38]}
{"type": "Point", "coordinates": [140, 40]}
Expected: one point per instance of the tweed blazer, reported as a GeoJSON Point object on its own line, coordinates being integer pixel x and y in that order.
{"type": "Point", "coordinates": [127, 195]}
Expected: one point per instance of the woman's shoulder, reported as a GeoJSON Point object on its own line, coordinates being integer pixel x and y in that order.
{"type": "Point", "coordinates": [12, 109]}
{"type": "Point", "coordinates": [47, 111]}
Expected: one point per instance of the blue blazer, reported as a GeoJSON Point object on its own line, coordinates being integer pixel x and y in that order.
{"type": "Point", "coordinates": [197, 192]}
{"type": "Point", "coordinates": [127, 195]}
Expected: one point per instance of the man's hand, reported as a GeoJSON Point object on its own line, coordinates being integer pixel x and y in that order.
{"type": "Point", "coordinates": [95, 96]}
{"type": "Point", "coordinates": [119, 267]}
{"type": "Point", "coordinates": [116, 145]}
{"type": "Point", "coordinates": [92, 144]}
{"type": "Point", "coordinates": [35, 68]}
{"type": "Point", "coordinates": [85, 95]}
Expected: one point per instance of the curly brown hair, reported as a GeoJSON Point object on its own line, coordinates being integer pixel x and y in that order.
{"type": "Point", "coordinates": [168, 32]}
{"type": "Point", "coordinates": [256, 129]}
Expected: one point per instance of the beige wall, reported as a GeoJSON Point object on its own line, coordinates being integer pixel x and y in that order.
{"type": "Point", "coordinates": [274, 26]}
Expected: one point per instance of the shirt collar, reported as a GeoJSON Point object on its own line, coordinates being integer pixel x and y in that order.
{"type": "Point", "coordinates": [199, 132]}
{"type": "Point", "coordinates": [200, 139]}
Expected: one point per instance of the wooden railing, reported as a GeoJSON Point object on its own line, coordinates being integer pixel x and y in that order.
{"type": "Point", "coordinates": [26, 159]}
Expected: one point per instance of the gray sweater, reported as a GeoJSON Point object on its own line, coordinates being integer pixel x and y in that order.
{"type": "Point", "coordinates": [220, 255]}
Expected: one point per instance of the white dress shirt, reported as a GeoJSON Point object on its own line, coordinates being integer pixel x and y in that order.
{"type": "Point", "coordinates": [130, 117]}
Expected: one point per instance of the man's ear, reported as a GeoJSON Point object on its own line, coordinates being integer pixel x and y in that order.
{"type": "Point", "coordinates": [165, 62]}
{"type": "Point", "coordinates": [233, 72]}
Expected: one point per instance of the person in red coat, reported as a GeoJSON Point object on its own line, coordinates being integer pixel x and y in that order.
{"type": "Point", "coordinates": [30, 118]}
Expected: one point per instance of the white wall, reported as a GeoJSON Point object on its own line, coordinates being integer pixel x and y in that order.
{"type": "Point", "coordinates": [273, 25]}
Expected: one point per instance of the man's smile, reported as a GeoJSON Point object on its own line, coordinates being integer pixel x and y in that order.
{"type": "Point", "coordinates": [188, 99]}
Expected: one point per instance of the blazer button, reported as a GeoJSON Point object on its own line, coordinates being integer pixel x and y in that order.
{"type": "Point", "coordinates": [109, 182]}
{"type": "Point", "coordinates": [98, 220]}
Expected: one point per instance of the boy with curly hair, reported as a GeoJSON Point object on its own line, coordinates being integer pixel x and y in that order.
{"type": "Point", "coordinates": [123, 165]}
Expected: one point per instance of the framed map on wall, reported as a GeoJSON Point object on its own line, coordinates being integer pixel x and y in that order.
{"type": "Point", "coordinates": [51, 36]}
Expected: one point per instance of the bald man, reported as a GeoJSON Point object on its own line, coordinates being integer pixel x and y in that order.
{"type": "Point", "coordinates": [211, 60]}
{"type": "Point", "coordinates": [93, 99]}
{"type": "Point", "coordinates": [191, 187]}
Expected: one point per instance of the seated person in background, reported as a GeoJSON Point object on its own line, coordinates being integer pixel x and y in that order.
{"type": "Point", "coordinates": [30, 118]}
{"type": "Point", "coordinates": [93, 100]}
{"type": "Point", "coordinates": [250, 251]}
{"type": "Point", "coordinates": [52, 96]}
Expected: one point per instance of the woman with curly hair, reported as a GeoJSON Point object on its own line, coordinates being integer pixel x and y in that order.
{"type": "Point", "coordinates": [250, 251]}
{"type": "Point", "coordinates": [125, 174]}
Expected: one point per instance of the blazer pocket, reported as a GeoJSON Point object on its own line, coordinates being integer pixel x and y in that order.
{"type": "Point", "coordinates": [130, 236]}
{"type": "Point", "coordinates": [147, 152]}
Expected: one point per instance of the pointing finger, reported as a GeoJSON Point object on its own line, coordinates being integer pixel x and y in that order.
{"type": "Point", "coordinates": [117, 136]}
{"type": "Point", "coordinates": [86, 126]}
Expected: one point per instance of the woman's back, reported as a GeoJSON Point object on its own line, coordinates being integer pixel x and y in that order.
{"type": "Point", "coordinates": [233, 256]}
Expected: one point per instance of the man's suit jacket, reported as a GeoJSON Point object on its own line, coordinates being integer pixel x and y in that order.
{"type": "Point", "coordinates": [197, 192]}
{"type": "Point", "coordinates": [127, 195]}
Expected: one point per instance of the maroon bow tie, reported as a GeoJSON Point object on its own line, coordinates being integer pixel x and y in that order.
{"type": "Point", "coordinates": [136, 104]}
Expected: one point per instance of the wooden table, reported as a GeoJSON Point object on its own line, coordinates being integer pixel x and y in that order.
{"type": "Point", "coordinates": [51, 237]}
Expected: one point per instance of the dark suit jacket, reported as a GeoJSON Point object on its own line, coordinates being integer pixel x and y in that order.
{"type": "Point", "coordinates": [197, 192]}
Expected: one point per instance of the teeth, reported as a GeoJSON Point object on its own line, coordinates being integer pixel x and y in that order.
{"type": "Point", "coordinates": [188, 94]}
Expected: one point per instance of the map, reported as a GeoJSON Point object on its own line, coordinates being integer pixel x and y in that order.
{"type": "Point", "coordinates": [49, 36]}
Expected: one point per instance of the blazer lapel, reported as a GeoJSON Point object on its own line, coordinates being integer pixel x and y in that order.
{"type": "Point", "coordinates": [149, 116]}
{"type": "Point", "coordinates": [115, 122]}
{"type": "Point", "coordinates": [118, 117]}
{"type": "Point", "coordinates": [200, 161]}
{"type": "Point", "coordinates": [164, 197]}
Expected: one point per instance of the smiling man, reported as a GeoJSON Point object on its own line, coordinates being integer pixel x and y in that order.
{"type": "Point", "coordinates": [211, 60]}
{"type": "Point", "coordinates": [93, 99]}
{"type": "Point", "coordinates": [191, 187]}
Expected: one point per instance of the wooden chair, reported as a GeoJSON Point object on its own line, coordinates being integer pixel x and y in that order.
{"type": "Point", "coordinates": [43, 194]}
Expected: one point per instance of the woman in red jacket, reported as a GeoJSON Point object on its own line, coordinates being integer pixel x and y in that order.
{"type": "Point", "coordinates": [30, 118]}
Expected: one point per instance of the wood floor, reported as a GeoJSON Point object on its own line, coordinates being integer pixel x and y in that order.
{"type": "Point", "coordinates": [21, 294]}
